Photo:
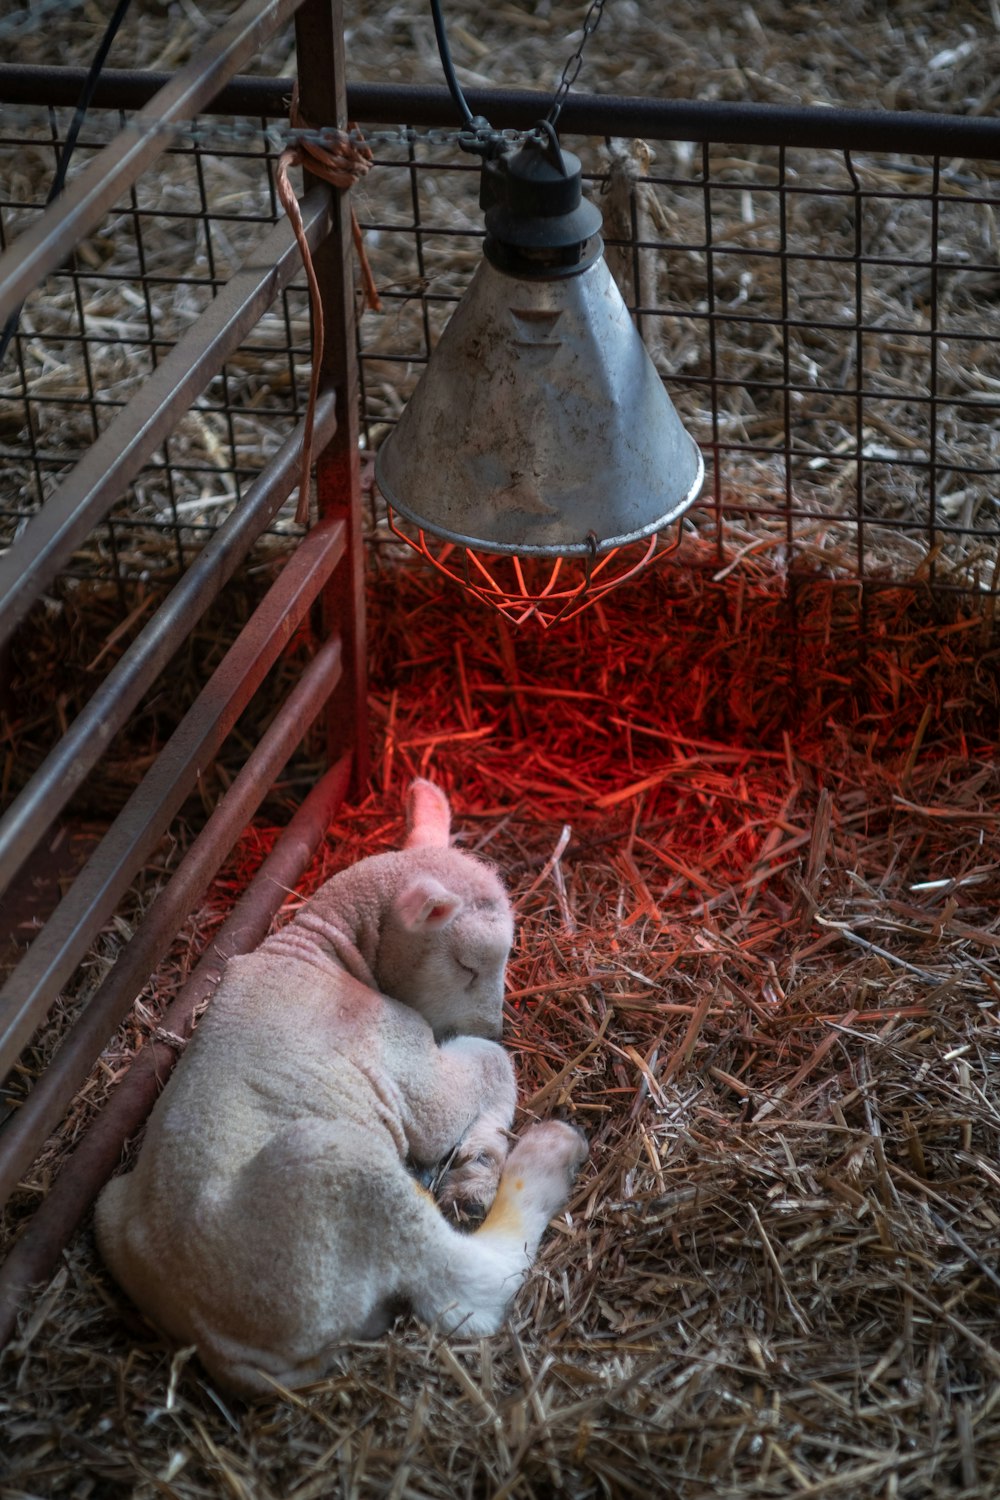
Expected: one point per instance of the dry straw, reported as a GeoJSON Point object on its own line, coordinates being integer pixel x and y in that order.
{"type": "Point", "coordinates": [757, 890]}
{"type": "Point", "coordinates": [751, 830]}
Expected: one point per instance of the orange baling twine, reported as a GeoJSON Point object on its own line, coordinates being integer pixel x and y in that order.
{"type": "Point", "coordinates": [341, 162]}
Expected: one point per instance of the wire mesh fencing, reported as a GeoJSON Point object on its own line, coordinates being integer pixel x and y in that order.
{"type": "Point", "coordinates": [827, 323]}
{"type": "Point", "coordinates": [87, 341]}
{"type": "Point", "coordinates": [827, 320]}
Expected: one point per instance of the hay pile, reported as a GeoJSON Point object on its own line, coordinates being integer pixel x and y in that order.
{"type": "Point", "coordinates": [755, 875]}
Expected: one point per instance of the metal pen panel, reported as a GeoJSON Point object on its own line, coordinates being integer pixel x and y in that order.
{"type": "Point", "coordinates": [76, 754]}
{"type": "Point", "coordinates": [36, 1252]}
{"type": "Point", "coordinates": [81, 207]}
{"type": "Point", "coordinates": [133, 835]}
{"type": "Point", "coordinates": [115, 458]}
{"type": "Point", "coordinates": [25, 1133]}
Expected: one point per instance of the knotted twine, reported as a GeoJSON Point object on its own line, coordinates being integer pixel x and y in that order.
{"type": "Point", "coordinates": [341, 162]}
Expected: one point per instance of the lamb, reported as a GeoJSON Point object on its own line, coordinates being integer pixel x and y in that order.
{"type": "Point", "coordinates": [271, 1215]}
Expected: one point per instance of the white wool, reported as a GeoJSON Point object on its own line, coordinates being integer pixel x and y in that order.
{"type": "Point", "coordinates": [271, 1215]}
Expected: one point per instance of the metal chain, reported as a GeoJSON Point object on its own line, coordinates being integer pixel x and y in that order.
{"type": "Point", "coordinates": [276, 137]}
{"type": "Point", "coordinates": [574, 62]}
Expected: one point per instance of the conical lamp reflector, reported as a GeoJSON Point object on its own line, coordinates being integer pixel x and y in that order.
{"type": "Point", "coordinates": [540, 426]}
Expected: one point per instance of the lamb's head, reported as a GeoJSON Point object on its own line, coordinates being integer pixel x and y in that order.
{"type": "Point", "coordinates": [446, 935]}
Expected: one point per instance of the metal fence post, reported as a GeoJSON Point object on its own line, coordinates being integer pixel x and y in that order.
{"type": "Point", "coordinates": [319, 35]}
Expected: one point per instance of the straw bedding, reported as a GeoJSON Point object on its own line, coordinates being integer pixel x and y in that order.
{"type": "Point", "coordinates": [757, 899]}
{"type": "Point", "coordinates": [751, 832]}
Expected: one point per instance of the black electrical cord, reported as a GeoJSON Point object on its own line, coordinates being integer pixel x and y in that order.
{"type": "Point", "coordinates": [448, 67]}
{"type": "Point", "coordinates": [478, 135]}
{"type": "Point", "coordinates": [72, 136]}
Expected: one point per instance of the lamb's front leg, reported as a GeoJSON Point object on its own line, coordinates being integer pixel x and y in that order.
{"type": "Point", "coordinates": [466, 1181]}
{"type": "Point", "coordinates": [478, 1077]}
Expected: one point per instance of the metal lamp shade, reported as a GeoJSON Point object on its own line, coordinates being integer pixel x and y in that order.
{"type": "Point", "coordinates": [540, 426]}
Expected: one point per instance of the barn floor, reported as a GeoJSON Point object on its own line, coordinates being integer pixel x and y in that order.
{"type": "Point", "coordinates": [754, 859]}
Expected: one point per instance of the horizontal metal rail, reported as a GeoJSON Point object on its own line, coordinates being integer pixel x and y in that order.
{"type": "Point", "coordinates": [79, 210]}
{"type": "Point", "coordinates": [914, 132]}
{"type": "Point", "coordinates": [126, 847]}
{"type": "Point", "coordinates": [26, 1132]}
{"type": "Point", "coordinates": [74, 757]}
{"type": "Point", "coordinates": [101, 476]}
{"type": "Point", "coordinates": [36, 1253]}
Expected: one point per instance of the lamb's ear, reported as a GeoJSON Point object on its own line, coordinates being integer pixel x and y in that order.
{"type": "Point", "coordinates": [428, 816]}
{"type": "Point", "coordinates": [426, 903]}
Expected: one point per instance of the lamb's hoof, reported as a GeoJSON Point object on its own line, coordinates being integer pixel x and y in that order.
{"type": "Point", "coordinates": [551, 1148]}
{"type": "Point", "coordinates": [465, 1192]}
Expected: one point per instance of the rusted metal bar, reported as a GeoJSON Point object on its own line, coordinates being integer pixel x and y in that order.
{"type": "Point", "coordinates": [913, 132]}
{"type": "Point", "coordinates": [79, 210]}
{"type": "Point", "coordinates": [133, 835]}
{"type": "Point", "coordinates": [72, 759]}
{"type": "Point", "coordinates": [133, 88]}
{"type": "Point", "coordinates": [319, 38]}
{"type": "Point", "coordinates": [25, 1133]}
{"type": "Point", "coordinates": [102, 475]}
{"type": "Point", "coordinates": [35, 1255]}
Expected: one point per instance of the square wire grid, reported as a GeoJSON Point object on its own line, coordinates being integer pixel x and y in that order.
{"type": "Point", "coordinates": [87, 340]}
{"type": "Point", "coordinates": [828, 325]}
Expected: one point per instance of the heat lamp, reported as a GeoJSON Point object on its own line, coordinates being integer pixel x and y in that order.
{"type": "Point", "coordinates": [540, 456]}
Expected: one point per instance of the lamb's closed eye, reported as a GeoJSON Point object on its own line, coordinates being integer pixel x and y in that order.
{"type": "Point", "coordinates": [468, 969]}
